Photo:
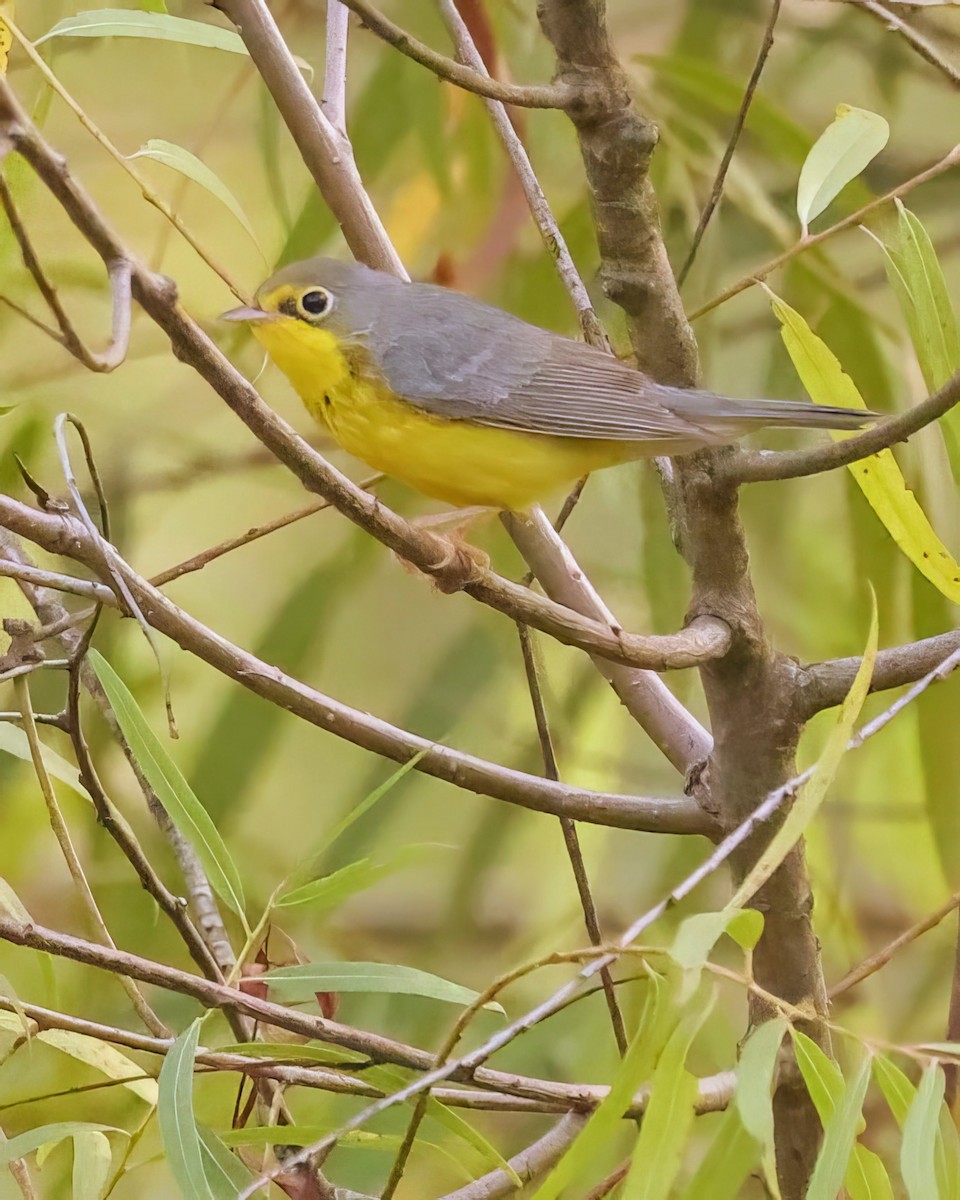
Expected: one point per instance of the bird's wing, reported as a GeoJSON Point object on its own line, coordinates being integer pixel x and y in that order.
{"type": "Point", "coordinates": [454, 357]}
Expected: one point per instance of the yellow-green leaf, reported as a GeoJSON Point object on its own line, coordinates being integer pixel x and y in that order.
{"type": "Point", "coordinates": [839, 154]}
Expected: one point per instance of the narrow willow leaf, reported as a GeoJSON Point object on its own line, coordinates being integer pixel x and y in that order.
{"type": "Point", "coordinates": [122, 22]}
{"type": "Point", "coordinates": [948, 1156]}
{"type": "Point", "coordinates": [300, 983]}
{"type": "Point", "coordinates": [813, 792]}
{"type": "Point", "coordinates": [897, 1089]}
{"type": "Point", "coordinates": [164, 776]}
{"type": "Point", "coordinates": [13, 741]}
{"type": "Point", "coordinates": [841, 152]}
{"type": "Point", "coordinates": [758, 1062]}
{"type": "Point", "coordinates": [178, 1126]}
{"type": "Point", "coordinates": [670, 1110]}
{"type": "Point", "coordinates": [157, 6]}
{"type": "Point", "coordinates": [732, 1155]}
{"type": "Point", "coordinates": [839, 1136]}
{"type": "Point", "coordinates": [332, 890]}
{"type": "Point", "coordinates": [198, 172]}
{"type": "Point", "coordinates": [6, 37]}
{"type": "Point", "coordinates": [296, 1052]}
{"type": "Point", "coordinates": [33, 1139]}
{"type": "Point", "coordinates": [225, 1174]}
{"type": "Point", "coordinates": [823, 1077]}
{"type": "Point", "coordinates": [918, 1157]}
{"type": "Point", "coordinates": [11, 904]}
{"type": "Point", "coordinates": [698, 934]}
{"type": "Point", "coordinates": [91, 1164]}
{"type": "Point", "coordinates": [656, 1025]}
{"type": "Point", "coordinates": [878, 477]}
{"type": "Point", "coordinates": [102, 1057]}
{"type": "Point", "coordinates": [872, 1181]}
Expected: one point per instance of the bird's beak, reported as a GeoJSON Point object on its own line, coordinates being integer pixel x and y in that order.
{"type": "Point", "coordinates": [246, 313]}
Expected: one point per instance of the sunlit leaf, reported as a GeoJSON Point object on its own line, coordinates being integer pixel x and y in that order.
{"type": "Point", "coordinates": [754, 1094]}
{"type": "Point", "coordinates": [300, 983]}
{"type": "Point", "coordinates": [878, 476]}
{"type": "Point", "coordinates": [841, 152]}
{"type": "Point", "coordinates": [839, 1136]}
{"type": "Point", "coordinates": [198, 172]}
{"type": "Point", "coordinates": [175, 1116]}
{"type": "Point", "coordinates": [698, 934]}
{"type": "Point", "coordinates": [6, 37]}
{"type": "Point", "coordinates": [823, 1077]}
{"type": "Point", "coordinates": [13, 741]}
{"type": "Point", "coordinates": [225, 1174]}
{"type": "Point", "coordinates": [897, 1089]}
{"type": "Point", "coordinates": [920, 1135]}
{"type": "Point", "coordinates": [33, 1139]}
{"type": "Point", "coordinates": [11, 904]}
{"type": "Point", "coordinates": [164, 776]}
{"type": "Point", "coordinates": [160, 26]}
{"type": "Point", "coordinates": [102, 1057]}
{"type": "Point", "coordinates": [332, 890]}
{"type": "Point", "coordinates": [91, 1164]}
{"type": "Point", "coordinates": [869, 1180]}
{"type": "Point", "coordinates": [811, 795]}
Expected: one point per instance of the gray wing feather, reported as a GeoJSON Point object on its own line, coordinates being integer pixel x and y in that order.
{"type": "Point", "coordinates": [455, 357]}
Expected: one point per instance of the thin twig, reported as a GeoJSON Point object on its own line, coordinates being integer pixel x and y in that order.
{"type": "Point", "coordinates": [465, 76]}
{"type": "Point", "coordinates": [334, 100]}
{"type": "Point", "coordinates": [817, 239]}
{"type": "Point", "coordinates": [716, 190]}
{"type": "Point", "coordinates": [528, 1165]}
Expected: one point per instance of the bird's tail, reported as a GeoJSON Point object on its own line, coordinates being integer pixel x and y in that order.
{"type": "Point", "coordinates": [725, 417]}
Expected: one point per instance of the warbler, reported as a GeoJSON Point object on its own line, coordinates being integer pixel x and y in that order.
{"type": "Point", "coordinates": [471, 405]}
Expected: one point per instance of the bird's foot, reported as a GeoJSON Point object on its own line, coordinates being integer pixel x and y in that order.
{"type": "Point", "coordinates": [462, 561]}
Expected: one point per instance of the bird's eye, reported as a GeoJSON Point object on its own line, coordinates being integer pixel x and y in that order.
{"type": "Point", "coordinates": [315, 302]}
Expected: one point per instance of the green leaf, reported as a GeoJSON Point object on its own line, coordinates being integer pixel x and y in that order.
{"type": "Point", "coordinates": [878, 476]}
{"type": "Point", "coordinates": [122, 22]}
{"type": "Point", "coordinates": [758, 1062]}
{"type": "Point", "coordinates": [225, 1174]}
{"type": "Point", "coordinates": [33, 1139]}
{"type": "Point", "coordinates": [670, 1110]}
{"type": "Point", "coordinates": [102, 1057]}
{"type": "Point", "coordinates": [698, 934]}
{"type": "Point", "coordinates": [11, 904]}
{"type": "Point", "coordinates": [164, 776]}
{"type": "Point", "coordinates": [157, 6]}
{"type": "Point", "coordinates": [897, 1089]}
{"type": "Point", "coordinates": [13, 741]}
{"type": "Point", "coordinates": [869, 1180]}
{"type": "Point", "coordinates": [332, 890]}
{"type": "Point", "coordinates": [731, 1156]}
{"type": "Point", "coordinates": [920, 1136]}
{"type": "Point", "coordinates": [178, 1126]}
{"type": "Point", "coordinates": [916, 277]}
{"type": "Point", "coordinates": [839, 1137]}
{"type": "Point", "coordinates": [300, 983]}
{"type": "Point", "coordinates": [813, 792]}
{"type": "Point", "coordinates": [198, 172]}
{"type": "Point", "coordinates": [656, 1025]}
{"type": "Point", "coordinates": [91, 1164]}
{"type": "Point", "coordinates": [821, 1074]}
{"type": "Point", "coordinates": [841, 152]}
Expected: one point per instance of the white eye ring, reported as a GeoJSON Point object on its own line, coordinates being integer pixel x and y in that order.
{"type": "Point", "coordinates": [315, 303]}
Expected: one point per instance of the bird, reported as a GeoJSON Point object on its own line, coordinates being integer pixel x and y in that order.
{"type": "Point", "coordinates": [471, 405]}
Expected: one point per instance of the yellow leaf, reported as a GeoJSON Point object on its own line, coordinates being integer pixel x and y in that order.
{"type": "Point", "coordinates": [878, 477]}
{"type": "Point", "coordinates": [413, 214]}
{"type": "Point", "coordinates": [6, 37]}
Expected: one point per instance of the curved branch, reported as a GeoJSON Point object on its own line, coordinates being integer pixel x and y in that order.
{"type": "Point", "coordinates": [825, 684]}
{"type": "Point", "coordinates": [546, 95]}
{"type": "Point", "coordinates": [765, 466]}
{"type": "Point", "coordinates": [532, 1161]}
{"type": "Point", "coordinates": [62, 534]}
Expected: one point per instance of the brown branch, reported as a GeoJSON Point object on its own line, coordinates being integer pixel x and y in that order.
{"type": "Point", "coordinates": [428, 552]}
{"type": "Point", "coordinates": [817, 239]}
{"type": "Point", "coordinates": [545, 95]}
{"type": "Point", "coordinates": [716, 190]}
{"type": "Point", "coordinates": [764, 466]}
{"type": "Point", "coordinates": [118, 270]}
{"type": "Point", "coordinates": [62, 534]}
{"type": "Point", "coordinates": [870, 965]}
{"type": "Point", "coordinates": [825, 684]}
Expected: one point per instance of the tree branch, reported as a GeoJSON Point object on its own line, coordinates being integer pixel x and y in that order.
{"type": "Point", "coordinates": [531, 1162]}
{"type": "Point", "coordinates": [466, 77]}
{"type": "Point", "coordinates": [893, 21]}
{"type": "Point", "coordinates": [764, 466]}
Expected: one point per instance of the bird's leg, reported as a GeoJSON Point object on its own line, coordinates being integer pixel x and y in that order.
{"type": "Point", "coordinates": [462, 559]}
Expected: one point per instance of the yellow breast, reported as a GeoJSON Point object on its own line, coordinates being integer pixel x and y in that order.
{"type": "Point", "coordinates": [453, 461]}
